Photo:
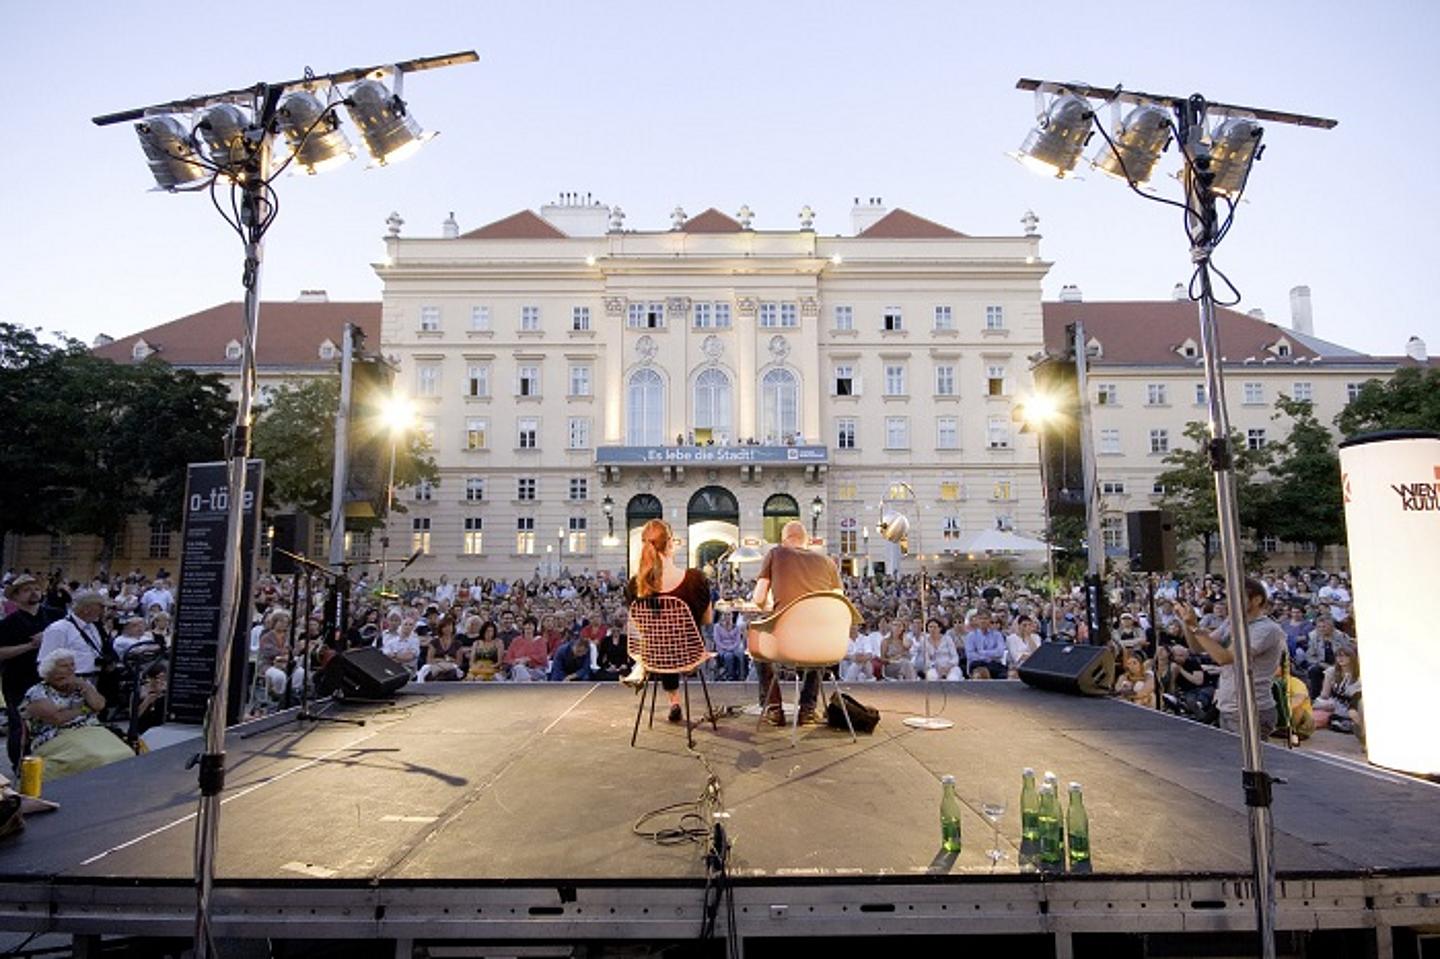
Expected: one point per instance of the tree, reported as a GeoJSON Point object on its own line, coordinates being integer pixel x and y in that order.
{"type": "Point", "coordinates": [1409, 400]}
{"type": "Point", "coordinates": [295, 435]}
{"type": "Point", "coordinates": [1305, 504]}
{"type": "Point", "coordinates": [1189, 486]}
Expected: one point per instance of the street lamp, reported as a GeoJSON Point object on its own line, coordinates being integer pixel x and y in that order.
{"type": "Point", "coordinates": [817, 506]}
{"type": "Point", "coordinates": [607, 505]}
{"type": "Point", "coordinates": [865, 538]}
{"type": "Point", "coordinates": [397, 414]}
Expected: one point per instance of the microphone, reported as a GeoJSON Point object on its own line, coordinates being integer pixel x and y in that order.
{"type": "Point", "coordinates": [409, 562]}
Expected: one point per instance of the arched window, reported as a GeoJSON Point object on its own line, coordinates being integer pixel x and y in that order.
{"type": "Point", "coordinates": [712, 402]}
{"type": "Point", "coordinates": [778, 510]}
{"type": "Point", "coordinates": [779, 406]}
{"type": "Point", "coordinates": [645, 409]}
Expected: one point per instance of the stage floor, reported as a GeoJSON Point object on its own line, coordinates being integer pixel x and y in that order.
{"type": "Point", "coordinates": [474, 797]}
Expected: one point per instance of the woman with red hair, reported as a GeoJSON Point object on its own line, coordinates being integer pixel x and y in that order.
{"type": "Point", "coordinates": [659, 576]}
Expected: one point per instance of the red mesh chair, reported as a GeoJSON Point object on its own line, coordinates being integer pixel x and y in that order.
{"type": "Point", "coordinates": [663, 636]}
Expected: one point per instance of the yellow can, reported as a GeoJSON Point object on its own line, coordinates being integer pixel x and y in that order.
{"type": "Point", "coordinates": [32, 773]}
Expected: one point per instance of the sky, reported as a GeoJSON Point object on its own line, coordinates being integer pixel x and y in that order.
{"type": "Point", "coordinates": [771, 104]}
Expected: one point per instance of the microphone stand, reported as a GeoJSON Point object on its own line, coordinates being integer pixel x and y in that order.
{"type": "Point", "coordinates": [927, 721]}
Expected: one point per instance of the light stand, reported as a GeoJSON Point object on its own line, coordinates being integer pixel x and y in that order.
{"type": "Point", "coordinates": [1230, 150]}
{"type": "Point", "coordinates": [895, 528]}
{"type": "Point", "coordinates": [245, 161]}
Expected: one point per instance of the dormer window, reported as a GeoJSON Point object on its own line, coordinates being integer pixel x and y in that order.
{"type": "Point", "coordinates": [1094, 349]}
{"type": "Point", "coordinates": [232, 350]}
{"type": "Point", "coordinates": [328, 351]}
{"type": "Point", "coordinates": [1189, 349]}
{"type": "Point", "coordinates": [140, 350]}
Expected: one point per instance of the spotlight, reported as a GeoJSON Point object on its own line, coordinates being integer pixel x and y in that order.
{"type": "Point", "coordinates": [313, 132]}
{"type": "Point", "coordinates": [1054, 146]}
{"type": "Point", "coordinates": [169, 152]}
{"type": "Point", "coordinates": [1138, 143]}
{"type": "Point", "coordinates": [1234, 146]}
{"type": "Point", "coordinates": [390, 133]}
{"type": "Point", "coordinates": [222, 130]}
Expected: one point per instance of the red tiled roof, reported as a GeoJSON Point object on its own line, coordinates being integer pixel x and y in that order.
{"type": "Point", "coordinates": [1148, 332]}
{"type": "Point", "coordinates": [711, 221]}
{"type": "Point", "coordinates": [524, 225]}
{"type": "Point", "coordinates": [290, 334]}
{"type": "Point", "coordinates": [903, 225]}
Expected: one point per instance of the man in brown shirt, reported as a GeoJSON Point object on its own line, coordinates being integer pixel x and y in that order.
{"type": "Point", "coordinates": [789, 572]}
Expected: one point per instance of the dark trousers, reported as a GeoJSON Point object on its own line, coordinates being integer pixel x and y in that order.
{"type": "Point", "coordinates": [809, 690]}
{"type": "Point", "coordinates": [15, 737]}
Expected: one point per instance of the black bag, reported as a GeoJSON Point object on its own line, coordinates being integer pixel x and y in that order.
{"type": "Point", "coordinates": [863, 718]}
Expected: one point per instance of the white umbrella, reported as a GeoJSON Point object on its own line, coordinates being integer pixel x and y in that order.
{"type": "Point", "coordinates": [1003, 541]}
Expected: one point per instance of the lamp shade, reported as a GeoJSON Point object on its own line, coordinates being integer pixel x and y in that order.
{"type": "Point", "coordinates": [1391, 484]}
{"type": "Point", "coordinates": [171, 155]}
{"type": "Point", "coordinates": [1138, 142]}
{"type": "Point", "coordinates": [313, 133]}
{"type": "Point", "coordinates": [222, 130]}
{"type": "Point", "coordinates": [389, 131]}
{"type": "Point", "coordinates": [1054, 146]}
{"type": "Point", "coordinates": [1235, 144]}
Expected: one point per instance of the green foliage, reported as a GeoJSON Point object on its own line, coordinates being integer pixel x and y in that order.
{"type": "Point", "coordinates": [1067, 532]}
{"type": "Point", "coordinates": [1190, 489]}
{"type": "Point", "coordinates": [1306, 504]}
{"type": "Point", "coordinates": [295, 435]}
{"type": "Point", "coordinates": [1409, 400]}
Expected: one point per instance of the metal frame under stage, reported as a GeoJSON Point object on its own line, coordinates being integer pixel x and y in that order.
{"type": "Point", "coordinates": [125, 877]}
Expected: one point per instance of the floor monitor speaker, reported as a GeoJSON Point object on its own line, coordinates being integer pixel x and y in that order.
{"type": "Point", "coordinates": [1076, 668]}
{"type": "Point", "coordinates": [362, 673]}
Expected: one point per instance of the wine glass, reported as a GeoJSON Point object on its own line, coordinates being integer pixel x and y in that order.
{"type": "Point", "coordinates": [994, 809]}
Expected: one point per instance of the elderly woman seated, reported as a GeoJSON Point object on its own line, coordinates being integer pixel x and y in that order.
{"type": "Point", "coordinates": [61, 718]}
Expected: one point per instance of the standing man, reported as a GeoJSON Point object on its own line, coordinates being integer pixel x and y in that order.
{"type": "Point", "coordinates": [20, 637]}
{"type": "Point", "coordinates": [159, 595]}
{"type": "Point", "coordinates": [789, 572]}
{"type": "Point", "coordinates": [79, 631]}
{"type": "Point", "coordinates": [1267, 644]}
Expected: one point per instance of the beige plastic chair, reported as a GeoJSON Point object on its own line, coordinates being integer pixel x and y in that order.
{"type": "Point", "coordinates": [811, 633]}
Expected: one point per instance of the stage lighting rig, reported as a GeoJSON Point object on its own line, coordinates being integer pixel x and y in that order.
{"type": "Point", "coordinates": [195, 143]}
{"type": "Point", "coordinates": [1219, 144]}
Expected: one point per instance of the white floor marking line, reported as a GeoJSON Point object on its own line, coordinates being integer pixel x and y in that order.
{"type": "Point", "coordinates": [568, 711]}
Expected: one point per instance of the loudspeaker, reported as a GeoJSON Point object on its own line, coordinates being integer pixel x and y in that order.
{"type": "Point", "coordinates": [362, 673]}
{"type": "Point", "coordinates": [289, 531]}
{"type": "Point", "coordinates": [1070, 668]}
{"type": "Point", "coordinates": [1152, 540]}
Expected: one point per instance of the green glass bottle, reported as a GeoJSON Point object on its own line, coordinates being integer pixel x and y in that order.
{"type": "Point", "coordinates": [1052, 831]}
{"type": "Point", "coordinates": [1029, 807]}
{"type": "Point", "coordinates": [1077, 823]}
{"type": "Point", "coordinates": [949, 815]}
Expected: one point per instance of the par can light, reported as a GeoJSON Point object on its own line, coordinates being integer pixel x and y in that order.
{"type": "Point", "coordinates": [313, 133]}
{"type": "Point", "coordinates": [1054, 146]}
{"type": "Point", "coordinates": [384, 122]}
{"type": "Point", "coordinates": [1138, 142]}
{"type": "Point", "coordinates": [168, 150]}
{"type": "Point", "coordinates": [1235, 145]}
{"type": "Point", "coordinates": [222, 130]}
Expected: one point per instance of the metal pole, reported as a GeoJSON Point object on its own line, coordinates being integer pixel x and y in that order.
{"type": "Point", "coordinates": [1049, 537]}
{"type": "Point", "coordinates": [1201, 221]}
{"type": "Point", "coordinates": [339, 476]}
{"type": "Point", "coordinates": [1095, 565]}
{"type": "Point", "coordinates": [255, 211]}
{"type": "Point", "coordinates": [389, 505]}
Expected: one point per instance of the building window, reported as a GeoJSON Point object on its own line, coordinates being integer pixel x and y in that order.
{"type": "Point", "coordinates": [579, 381]}
{"type": "Point", "coordinates": [845, 380]}
{"type": "Point", "coordinates": [892, 321]}
{"type": "Point", "coordinates": [951, 490]}
{"type": "Point", "coordinates": [894, 379]}
{"type": "Point", "coordinates": [998, 431]}
{"type": "Point", "coordinates": [712, 402]}
{"type": "Point", "coordinates": [1200, 395]}
{"type": "Point", "coordinates": [950, 530]}
{"type": "Point", "coordinates": [530, 319]}
{"type": "Point", "coordinates": [420, 534]}
{"type": "Point", "coordinates": [779, 406]}
{"type": "Point", "coordinates": [357, 545]}
{"type": "Point", "coordinates": [233, 350]}
{"type": "Point", "coordinates": [947, 433]}
{"type": "Point", "coordinates": [1156, 395]}
{"type": "Point", "coordinates": [1303, 391]}
{"type": "Point", "coordinates": [769, 314]}
{"type": "Point", "coordinates": [427, 380]}
{"type": "Point", "coordinates": [579, 318]}
{"type": "Point", "coordinates": [645, 409]}
{"type": "Point", "coordinates": [722, 316]}
{"type": "Point", "coordinates": [527, 433]}
{"type": "Point", "coordinates": [476, 433]}
{"type": "Point", "coordinates": [1112, 531]}
{"type": "Point", "coordinates": [527, 381]}
{"type": "Point", "coordinates": [1112, 487]}
{"type": "Point", "coordinates": [1159, 441]}
{"type": "Point", "coordinates": [849, 536]}
{"type": "Point", "coordinates": [579, 489]}
{"type": "Point", "coordinates": [944, 318]}
{"type": "Point", "coordinates": [897, 432]}
{"type": "Point", "coordinates": [159, 539]}
{"type": "Point", "coordinates": [646, 316]}
{"type": "Point", "coordinates": [1283, 349]}
{"type": "Point", "coordinates": [1002, 490]}
{"type": "Point", "coordinates": [1254, 393]}
{"type": "Point", "coordinates": [525, 489]}
{"type": "Point", "coordinates": [789, 316]}
{"type": "Point", "coordinates": [1255, 439]}
{"type": "Point", "coordinates": [424, 491]}
{"type": "Point", "coordinates": [845, 433]}
{"type": "Point", "coordinates": [429, 319]}
{"type": "Point", "coordinates": [477, 379]}
{"type": "Point", "coordinates": [425, 427]}
{"type": "Point", "coordinates": [1107, 394]}
{"type": "Point", "coordinates": [525, 535]}
{"type": "Point", "coordinates": [474, 489]}
{"type": "Point", "coordinates": [579, 433]}
{"type": "Point", "coordinates": [994, 317]}
{"type": "Point", "coordinates": [995, 380]}
{"type": "Point", "coordinates": [1157, 488]}
{"type": "Point", "coordinates": [329, 351]}
{"type": "Point", "coordinates": [844, 318]}
{"type": "Point", "coordinates": [1269, 544]}
{"type": "Point", "coordinates": [1110, 441]}
{"type": "Point", "coordinates": [474, 536]}
{"type": "Point", "coordinates": [701, 316]}
{"type": "Point", "coordinates": [1352, 391]}
{"type": "Point", "coordinates": [480, 319]}
{"type": "Point", "coordinates": [944, 380]}
{"type": "Point", "coordinates": [579, 533]}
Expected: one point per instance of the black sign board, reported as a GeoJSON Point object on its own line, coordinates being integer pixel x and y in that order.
{"type": "Point", "coordinates": [202, 582]}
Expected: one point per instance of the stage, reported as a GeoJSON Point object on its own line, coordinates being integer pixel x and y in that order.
{"type": "Point", "coordinates": [504, 814]}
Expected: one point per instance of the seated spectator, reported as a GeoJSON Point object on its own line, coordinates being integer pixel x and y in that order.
{"type": "Point", "coordinates": [403, 646]}
{"type": "Point", "coordinates": [858, 666]}
{"type": "Point", "coordinates": [984, 648]}
{"type": "Point", "coordinates": [486, 651]}
{"type": "Point", "coordinates": [896, 651]}
{"type": "Point", "coordinates": [573, 661]}
{"type": "Point", "coordinates": [1136, 683]}
{"type": "Point", "coordinates": [936, 654]}
{"type": "Point", "coordinates": [1297, 629]}
{"type": "Point", "coordinates": [527, 659]}
{"type": "Point", "coordinates": [1302, 712]}
{"type": "Point", "coordinates": [1129, 635]}
{"type": "Point", "coordinates": [1338, 705]}
{"type": "Point", "coordinates": [1317, 651]}
{"type": "Point", "coordinates": [446, 659]}
{"type": "Point", "coordinates": [1021, 643]}
{"type": "Point", "coordinates": [612, 652]}
{"type": "Point", "coordinates": [61, 714]}
{"type": "Point", "coordinates": [729, 640]}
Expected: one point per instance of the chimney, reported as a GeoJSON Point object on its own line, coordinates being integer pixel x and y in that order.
{"type": "Point", "coordinates": [1258, 313]}
{"type": "Point", "coordinates": [1070, 293]}
{"type": "Point", "coordinates": [313, 296]}
{"type": "Point", "coordinates": [577, 214]}
{"type": "Point", "coordinates": [1180, 293]}
{"type": "Point", "coordinates": [1415, 349]}
{"type": "Point", "coordinates": [1301, 319]}
{"type": "Point", "coordinates": [865, 215]}
{"type": "Point", "coordinates": [450, 230]}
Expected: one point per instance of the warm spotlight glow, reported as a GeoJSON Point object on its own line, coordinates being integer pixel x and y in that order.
{"type": "Point", "coordinates": [1053, 147]}
{"type": "Point", "coordinates": [390, 133]}
{"type": "Point", "coordinates": [398, 414]}
{"type": "Point", "coordinates": [1040, 409]}
{"type": "Point", "coordinates": [313, 133]}
{"type": "Point", "coordinates": [1235, 145]}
